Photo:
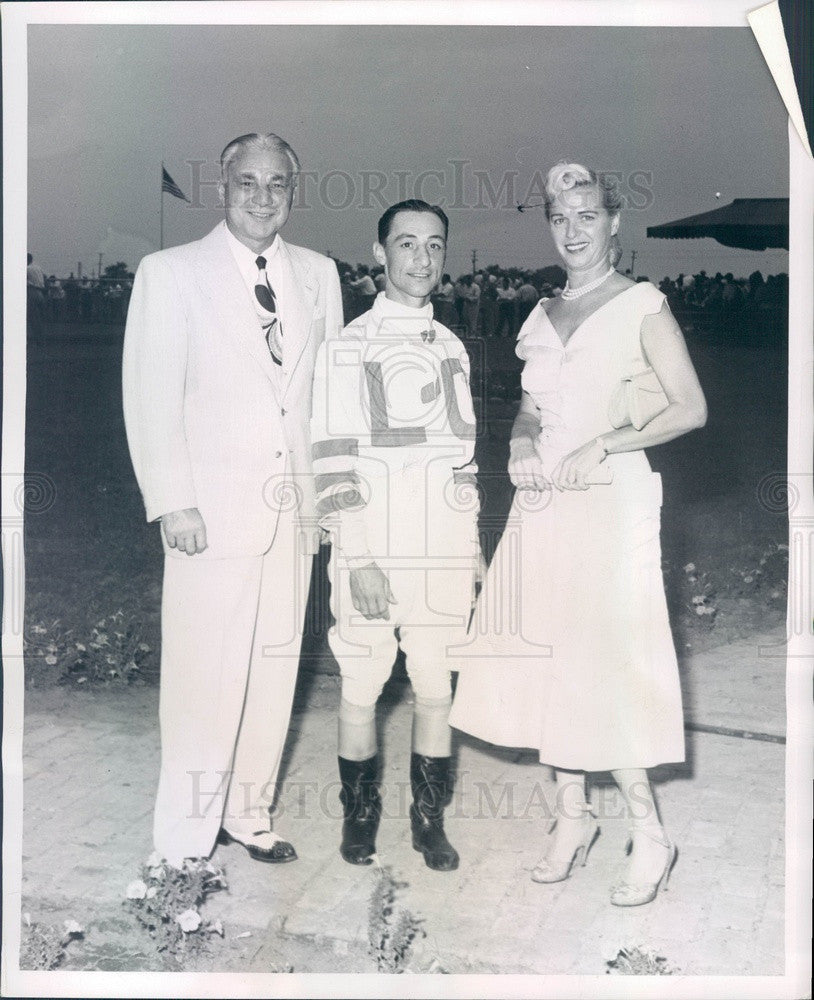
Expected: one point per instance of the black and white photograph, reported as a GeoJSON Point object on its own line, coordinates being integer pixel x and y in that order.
{"type": "Point", "coordinates": [407, 499]}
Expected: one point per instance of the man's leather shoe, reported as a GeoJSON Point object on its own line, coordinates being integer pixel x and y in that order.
{"type": "Point", "coordinates": [264, 846]}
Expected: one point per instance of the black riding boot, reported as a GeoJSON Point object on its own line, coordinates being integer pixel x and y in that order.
{"type": "Point", "coordinates": [363, 808]}
{"type": "Point", "coordinates": [431, 781]}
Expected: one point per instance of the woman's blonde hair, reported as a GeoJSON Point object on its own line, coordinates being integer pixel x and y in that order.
{"type": "Point", "coordinates": [565, 176]}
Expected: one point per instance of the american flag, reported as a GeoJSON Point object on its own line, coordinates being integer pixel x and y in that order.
{"type": "Point", "coordinates": [169, 185]}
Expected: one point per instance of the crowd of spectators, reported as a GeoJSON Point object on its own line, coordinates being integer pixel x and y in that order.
{"type": "Point", "coordinates": [493, 302]}
{"type": "Point", "coordinates": [87, 300]}
{"type": "Point", "coordinates": [724, 292]}
{"type": "Point", "coordinates": [76, 299]}
{"type": "Point", "coordinates": [35, 296]}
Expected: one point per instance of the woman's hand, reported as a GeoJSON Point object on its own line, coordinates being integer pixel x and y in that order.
{"type": "Point", "coordinates": [573, 471]}
{"type": "Point", "coordinates": [525, 467]}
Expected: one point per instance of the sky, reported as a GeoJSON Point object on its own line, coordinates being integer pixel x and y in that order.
{"type": "Point", "coordinates": [681, 115]}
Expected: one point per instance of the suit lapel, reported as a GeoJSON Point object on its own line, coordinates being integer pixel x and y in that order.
{"type": "Point", "coordinates": [221, 283]}
{"type": "Point", "coordinates": [298, 320]}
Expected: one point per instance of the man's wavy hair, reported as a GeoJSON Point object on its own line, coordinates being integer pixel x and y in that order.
{"type": "Point", "coordinates": [257, 140]}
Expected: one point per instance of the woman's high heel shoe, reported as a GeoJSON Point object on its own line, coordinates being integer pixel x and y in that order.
{"type": "Point", "coordinates": [546, 872]}
{"type": "Point", "coordinates": [629, 894]}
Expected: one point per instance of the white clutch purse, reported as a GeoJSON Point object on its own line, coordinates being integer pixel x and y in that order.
{"type": "Point", "coordinates": [636, 400]}
{"type": "Point", "coordinates": [602, 475]}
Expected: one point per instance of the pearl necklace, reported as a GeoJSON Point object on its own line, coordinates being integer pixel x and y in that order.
{"type": "Point", "coordinates": [577, 293]}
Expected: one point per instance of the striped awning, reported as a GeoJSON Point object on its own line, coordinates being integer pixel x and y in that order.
{"type": "Point", "coordinates": [747, 223]}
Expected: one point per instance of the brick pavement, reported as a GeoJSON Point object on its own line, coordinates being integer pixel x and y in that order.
{"type": "Point", "coordinates": [90, 765]}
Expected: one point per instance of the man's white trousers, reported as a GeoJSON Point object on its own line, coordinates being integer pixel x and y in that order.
{"type": "Point", "coordinates": [231, 636]}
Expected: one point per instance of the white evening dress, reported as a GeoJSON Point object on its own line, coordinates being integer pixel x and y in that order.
{"type": "Point", "coordinates": [570, 650]}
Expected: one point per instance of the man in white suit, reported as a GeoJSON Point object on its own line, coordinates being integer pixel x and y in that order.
{"type": "Point", "coordinates": [218, 364]}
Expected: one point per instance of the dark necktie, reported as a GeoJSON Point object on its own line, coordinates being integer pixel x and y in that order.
{"type": "Point", "coordinates": [266, 304]}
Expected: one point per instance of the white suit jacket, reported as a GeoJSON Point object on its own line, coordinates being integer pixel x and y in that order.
{"type": "Point", "coordinates": [210, 422]}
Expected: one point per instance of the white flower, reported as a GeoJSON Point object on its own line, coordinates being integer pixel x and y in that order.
{"type": "Point", "coordinates": [51, 661]}
{"type": "Point", "coordinates": [101, 638]}
{"type": "Point", "coordinates": [72, 927]}
{"type": "Point", "coordinates": [689, 568]}
{"type": "Point", "coordinates": [136, 890]}
{"type": "Point", "coordinates": [216, 928]}
{"type": "Point", "coordinates": [81, 647]}
{"type": "Point", "coordinates": [81, 680]}
{"type": "Point", "coordinates": [38, 630]}
{"type": "Point", "coordinates": [151, 892]}
{"type": "Point", "coordinates": [144, 647]}
{"type": "Point", "coordinates": [698, 599]}
{"type": "Point", "coordinates": [154, 861]}
{"type": "Point", "coordinates": [189, 920]}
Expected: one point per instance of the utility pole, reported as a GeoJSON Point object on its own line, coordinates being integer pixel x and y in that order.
{"type": "Point", "coordinates": [633, 256]}
{"type": "Point", "coordinates": [99, 275]}
{"type": "Point", "coordinates": [474, 262]}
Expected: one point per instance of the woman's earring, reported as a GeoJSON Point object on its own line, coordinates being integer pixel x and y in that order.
{"type": "Point", "coordinates": [615, 251]}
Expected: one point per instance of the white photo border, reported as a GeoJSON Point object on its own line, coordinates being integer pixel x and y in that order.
{"type": "Point", "coordinates": [651, 13]}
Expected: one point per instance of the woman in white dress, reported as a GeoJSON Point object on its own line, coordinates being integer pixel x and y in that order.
{"type": "Point", "coordinates": [576, 656]}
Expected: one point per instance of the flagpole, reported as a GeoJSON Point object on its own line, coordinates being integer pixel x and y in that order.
{"type": "Point", "coordinates": [161, 189]}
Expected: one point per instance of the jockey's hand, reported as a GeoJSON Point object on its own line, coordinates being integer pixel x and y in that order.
{"type": "Point", "coordinates": [370, 592]}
